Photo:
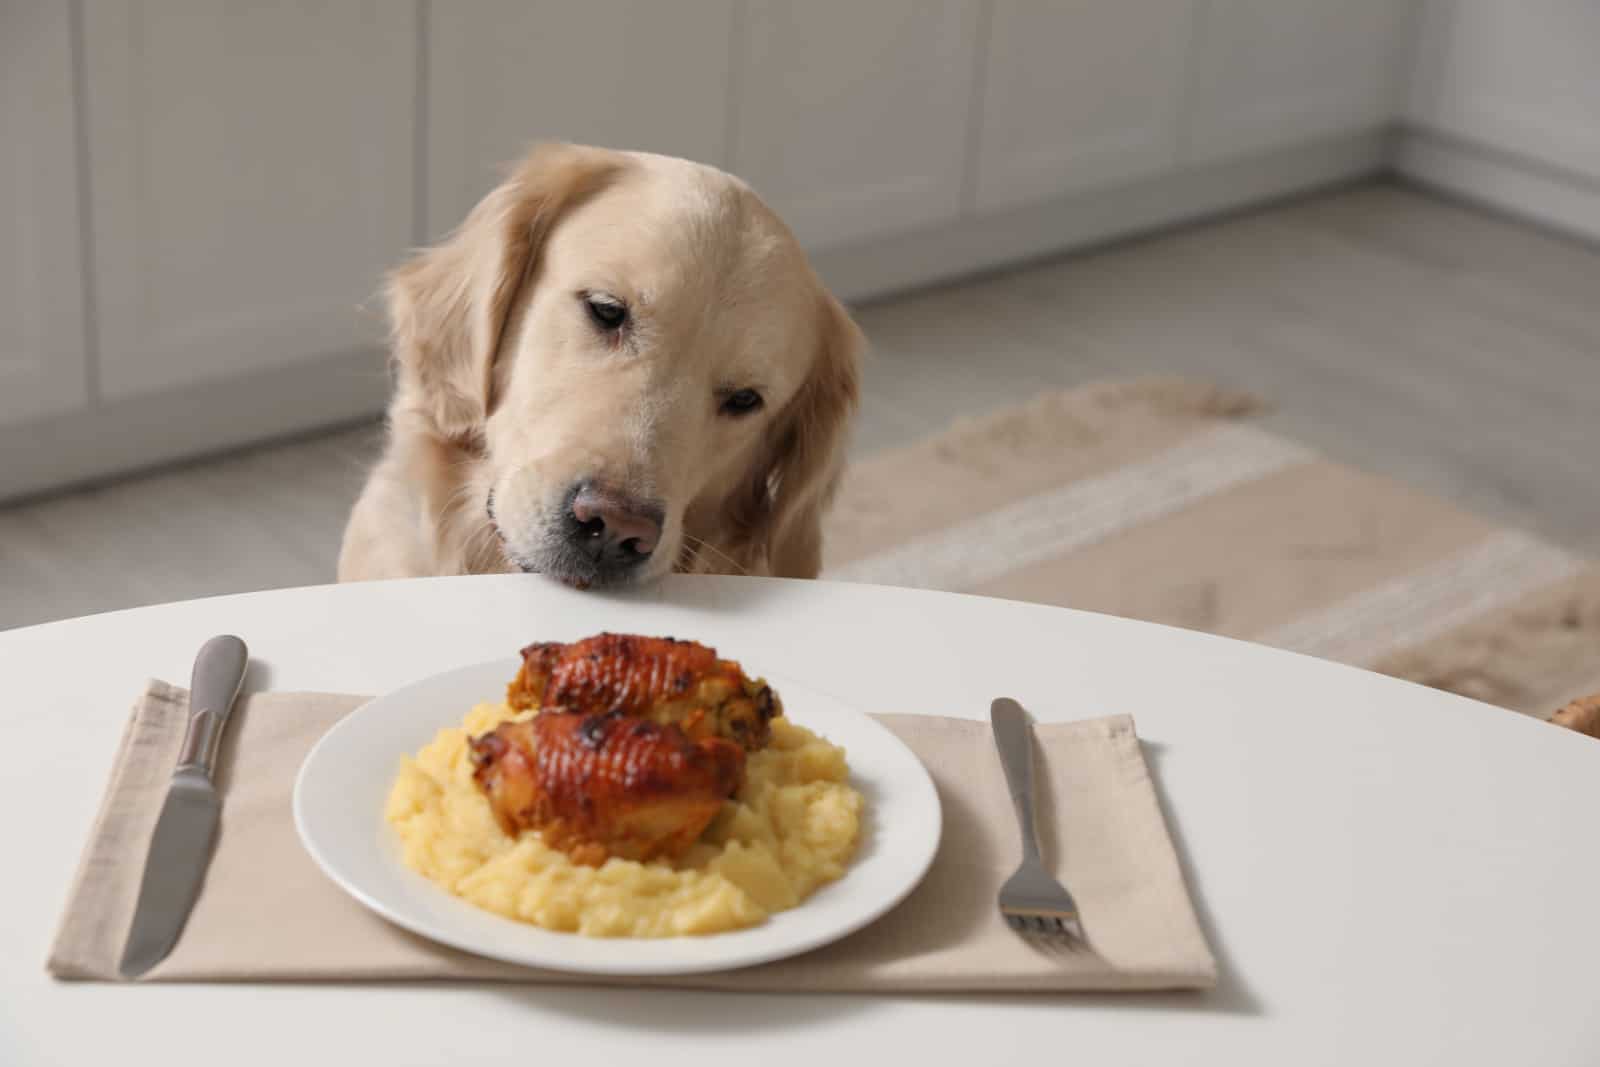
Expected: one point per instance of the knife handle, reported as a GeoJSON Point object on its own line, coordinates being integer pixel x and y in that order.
{"type": "Point", "coordinates": [1013, 737]}
{"type": "Point", "coordinates": [218, 674]}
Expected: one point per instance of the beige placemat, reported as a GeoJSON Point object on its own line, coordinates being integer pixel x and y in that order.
{"type": "Point", "coordinates": [1164, 500]}
{"type": "Point", "coordinates": [266, 913]}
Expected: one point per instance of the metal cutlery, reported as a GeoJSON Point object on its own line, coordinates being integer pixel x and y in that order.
{"type": "Point", "coordinates": [181, 847]}
{"type": "Point", "coordinates": [1031, 901]}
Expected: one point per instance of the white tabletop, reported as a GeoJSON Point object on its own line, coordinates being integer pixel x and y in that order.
{"type": "Point", "coordinates": [1388, 874]}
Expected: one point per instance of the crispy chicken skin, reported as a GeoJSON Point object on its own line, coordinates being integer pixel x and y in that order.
{"type": "Point", "coordinates": [610, 784]}
{"type": "Point", "coordinates": [680, 683]}
{"type": "Point", "coordinates": [637, 743]}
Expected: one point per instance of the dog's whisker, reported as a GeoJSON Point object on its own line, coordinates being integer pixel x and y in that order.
{"type": "Point", "coordinates": [703, 564]}
{"type": "Point", "coordinates": [739, 568]}
{"type": "Point", "coordinates": [484, 545]}
{"type": "Point", "coordinates": [477, 548]}
{"type": "Point", "coordinates": [703, 543]}
{"type": "Point", "coordinates": [454, 500]}
{"type": "Point", "coordinates": [696, 562]}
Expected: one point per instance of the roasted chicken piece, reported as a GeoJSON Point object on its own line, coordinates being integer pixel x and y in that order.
{"type": "Point", "coordinates": [656, 678]}
{"type": "Point", "coordinates": [599, 785]}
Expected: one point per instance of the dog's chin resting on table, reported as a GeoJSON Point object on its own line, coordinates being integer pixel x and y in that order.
{"type": "Point", "coordinates": [620, 365]}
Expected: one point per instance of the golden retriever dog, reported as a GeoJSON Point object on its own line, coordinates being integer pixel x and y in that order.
{"type": "Point", "coordinates": [620, 365]}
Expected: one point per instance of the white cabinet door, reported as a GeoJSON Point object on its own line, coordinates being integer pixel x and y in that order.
{"type": "Point", "coordinates": [1524, 77]}
{"type": "Point", "coordinates": [1078, 94]}
{"type": "Point", "coordinates": [505, 74]}
{"type": "Point", "coordinates": [251, 176]}
{"type": "Point", "coordinates": [1268, 73]}
{"type": "Point", "coordinates": [852, 119]}
{"type": "Point", "coordinates": [42, 357]}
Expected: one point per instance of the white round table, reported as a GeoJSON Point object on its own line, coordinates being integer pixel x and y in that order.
{"type": "Point", "coordinates": [1388, 874]}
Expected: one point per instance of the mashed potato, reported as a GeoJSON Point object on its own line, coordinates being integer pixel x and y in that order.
{"type": "Point", "coordinates": [792, 828]}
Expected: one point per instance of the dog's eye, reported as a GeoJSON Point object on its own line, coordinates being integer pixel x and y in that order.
{"type": "Point", "coordinates": [608, 314]}
{"type": "Point", "coordinates": [741, 402]}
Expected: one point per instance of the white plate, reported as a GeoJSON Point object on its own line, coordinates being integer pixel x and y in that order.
{"type": "Point", "coordinates": [343, 784]}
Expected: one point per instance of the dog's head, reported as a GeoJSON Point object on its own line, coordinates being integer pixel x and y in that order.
{"type": "Point", "coordinates": [637, 367]}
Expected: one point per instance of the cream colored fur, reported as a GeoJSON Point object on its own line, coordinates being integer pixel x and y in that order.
{"type": "Point", "coordinates": [505, 386]}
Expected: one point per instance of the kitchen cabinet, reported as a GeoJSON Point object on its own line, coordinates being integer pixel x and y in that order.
{"type": "Point", "coordinates": [251, 176]}
{"type": "Point", "coordinates": [199, 198]}
{"type": "Point", "coordinates": [852, 119]}
{"type": "Point", "coordinates": [43, 362]}
{"type": "Point", "coordinates": [1268, 73]}
{"type": "Point", "coordinates": [1079, 94]}
{"type": "Point", "coordinates": [505, 74]}
{"type": "Point", "coordinates": [1522, 78]}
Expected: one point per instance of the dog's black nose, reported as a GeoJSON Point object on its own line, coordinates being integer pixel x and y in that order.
{"type": "Point", "coordinates": [615, 532]}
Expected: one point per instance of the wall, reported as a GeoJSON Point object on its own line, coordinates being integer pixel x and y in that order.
{"type": "Point", "coordinates": [1504, 107]}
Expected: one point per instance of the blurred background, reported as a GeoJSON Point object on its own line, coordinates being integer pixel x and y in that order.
{"type": "Point", "coordinates": [1378, 215]}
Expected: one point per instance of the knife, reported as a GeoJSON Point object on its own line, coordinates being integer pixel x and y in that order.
{"type": "Point", "coordinates": [181, 847]}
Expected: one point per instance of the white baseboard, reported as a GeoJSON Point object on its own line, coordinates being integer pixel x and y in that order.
{"type": "Point", "coordinates": [123, 436]}
{"type": "Point", "coordinates": [987, 242]}
{"type": "Point", "coordinates": [1507, 181]}
{"type": "Point", "coordinates": [160, 428]}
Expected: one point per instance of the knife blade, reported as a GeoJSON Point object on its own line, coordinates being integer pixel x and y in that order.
{"type": "Point", "coordinates": [181, 848]}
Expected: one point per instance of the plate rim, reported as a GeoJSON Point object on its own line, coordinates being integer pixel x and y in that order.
{"type": "Point", "coordinates": [424, 927]}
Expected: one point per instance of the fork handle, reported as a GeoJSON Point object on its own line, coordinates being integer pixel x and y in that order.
{"type": "Point", "coordinates": [1013, 737]}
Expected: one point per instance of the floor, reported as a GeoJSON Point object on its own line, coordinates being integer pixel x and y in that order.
{"type": "Point", "coordinates": [1438, 344]}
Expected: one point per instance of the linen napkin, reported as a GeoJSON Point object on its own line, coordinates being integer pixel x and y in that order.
{"type": "Point", "coordinates": [267, 913]}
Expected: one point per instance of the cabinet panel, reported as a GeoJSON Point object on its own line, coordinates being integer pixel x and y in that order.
{"type": "Point", "coordinates": [1269, 73]}
{"type": "Point", "coordinates": [503, 75]}
{"type": "Point", "coordinates": [1079, 94]}
{"type": "Point", "coordinates": [251, 178]}
{"type": "Point", "coordinates": [42, 357]}
{"type": "Point", "coordinates": [852, 119]}
{"type": "Point", "coordinates": [1523, 77]}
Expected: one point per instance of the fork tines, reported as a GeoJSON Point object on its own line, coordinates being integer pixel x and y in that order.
{"type": "Point", "coordinates": [1049, 933]}
{"type": "Point", "coordinates": [1027, 922]}
{"type": "Point", "coordinates": [1043, 924]}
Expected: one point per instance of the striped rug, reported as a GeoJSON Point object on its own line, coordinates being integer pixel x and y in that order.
{"type": "Point", "coordinates": [1160, 500]}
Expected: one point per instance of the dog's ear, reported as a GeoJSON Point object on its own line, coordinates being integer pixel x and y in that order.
{"type": "Point", "coordinates": [449, 305]}
{"type": "Point", "coordinates": [807, 458]}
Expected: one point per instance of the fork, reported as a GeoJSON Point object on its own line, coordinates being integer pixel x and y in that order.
{"type": "Point", "coordinates": [1031, 901]}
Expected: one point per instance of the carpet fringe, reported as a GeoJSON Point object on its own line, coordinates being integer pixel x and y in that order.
{"type": "Point", "coordinates": [1086, 413]}
{"type": "Point", "coordinates": [1515, 657]}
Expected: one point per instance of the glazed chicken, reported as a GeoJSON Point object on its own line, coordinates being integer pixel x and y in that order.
{"type": "Point", "coordinates": [637, 743]}
{"type": "Point", "coordinates": [606, 785]}
{"type": "Point", "coordinates": [681, 683]}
